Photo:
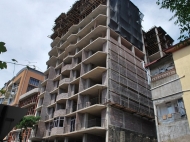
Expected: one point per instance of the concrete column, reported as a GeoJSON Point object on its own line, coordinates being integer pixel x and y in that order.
{"type": "Point", "coordinates": [156, 121]}
{"type": "Point", "coordinates": [108, 12]}
{"type": "Point", "coordinates": [66, 139]}
{"type": "Point", "coordinates": [87, 83]}
{"type": "Point", "coordinates": [85, 120]}
{"type": "Point", "coordinates": [55, 140]}
{"type": "Point", "coordinates": [119, 40]}
{"type": "Point", "coordinates": [159, 45]}
{"type": "Point", "coordinates": [107, 123]}
{"type": "Point", "coordinates": [84, 138]}
{"type": "Point", "coordinates": [78, 39]}
{"type": "Point", "coordinates": [144, 49]}
{"type": "Point", "coordinates": [89, 53]}
{"type": "Point", "coordinates": [133, 50]}
{"type": "Point", "coordinates": [76, 50]}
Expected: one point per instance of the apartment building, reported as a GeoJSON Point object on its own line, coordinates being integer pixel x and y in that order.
{"type": "Point", "coordinates": [95, 86]}
{"type": "Point", "coordinates": [22, 91]}
{"type": "Point", "coordinates": [29, 101]}
{"type": "Point", "coordinates": [25, 80]}
{"type": "Point", "coordinates": [168, 99]}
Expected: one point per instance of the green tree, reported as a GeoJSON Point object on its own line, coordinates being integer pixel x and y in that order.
{"type": "Point", "coordinates": [2, 49]}
{"type": "Point", "coordinates": [27, 122]}
{"type": "Point", "coordinates": [181, 11]}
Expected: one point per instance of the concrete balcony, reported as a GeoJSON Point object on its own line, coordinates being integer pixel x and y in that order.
{"type": "Point", "coordinates": [39, 107]}
{"type": "Point", "coordinates": [91, 102]}
{"type": "Point", "coordinates": [36, 136]}
{"type": "Point", "coordinates": [56, 131]}
{"type": "Point", "coordinates": [41, 95]}
{"type": "Point", "coordinates": [66, 68]}
{"type": "Point", "coordinates": [62, 97]}
{"type": "Point", "coordinates": [55, 41]}
{"type": "Point", "coordinates": [44, 82]}
{"type": "Point", "coordinates": [60, 112]}
{"type": "Point", "coordinates": [98, 32]}
{"type": "Point", "coordinates": [54, 90]}
{"type": "Point", "coordinates": [64, 82]}
{"type": "Point", "coordinates": [52, 61]}
{"type": "Point", "coordinates": [52, 103]}
{"type": "Point", "coordinates": [53, 51]}
{"type": "Point", "coordinates": [101, 9]}
{"type": "Point", "coordinates": [49, 117]}
{"type": "Point", "coordinates": [57, 77]}
{"type": "Point", "coordinates": [29, 93]}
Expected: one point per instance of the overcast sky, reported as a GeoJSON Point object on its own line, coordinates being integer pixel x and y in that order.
{"type": "Point", "coordinates": [25, 25]}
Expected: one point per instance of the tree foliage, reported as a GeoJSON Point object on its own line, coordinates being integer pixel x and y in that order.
{"type": "Point", "coordinates": [3, 65]}
{"type": "Point", "coordinates": [28, 122]}
{"type": "Point", "coordinates": [181, 11]}
{"type": "Point", "coordinates": [2, 91]}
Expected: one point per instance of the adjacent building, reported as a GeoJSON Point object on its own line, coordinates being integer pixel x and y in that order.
{"type": "Point", "coordinates": [168, 99]}
{"type": "Point", "coordinates": [22, 91]}
{"type": "Point", "coordinates": [95, 86]}
{"type": "Point", "coordinates": [156, 40]}
{"type": "Point", "coordinates": [180, 53]}
{"type": "Point", "coordinates": [24, 81]}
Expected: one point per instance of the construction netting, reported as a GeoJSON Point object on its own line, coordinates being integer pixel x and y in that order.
{"type": "Point", "coordinates": [125, 19]}
{"type": "Point", "coordinates": [117, 134]}
{"type": "Point", "coordinates": [128, 85]}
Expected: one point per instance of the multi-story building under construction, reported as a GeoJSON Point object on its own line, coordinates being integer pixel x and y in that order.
{"type": "Point", "coordinates": [96, 88]}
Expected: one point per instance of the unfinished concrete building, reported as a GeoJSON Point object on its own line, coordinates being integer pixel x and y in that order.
{"type": "Point", "coordinates": [96, 88]}
{"type": "Point", "coordinates": [156, 40]}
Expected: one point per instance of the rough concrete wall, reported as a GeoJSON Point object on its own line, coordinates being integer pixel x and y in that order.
{"type": "Point", "coordinates": [185, 138]}
{"type": "Point", "coordinates": [46, 102]}
{"type": "Point", "coordinates": [83, 69]}
{"type": "Point", "coordinates": [163, 91]}
{"type": "Point", "coordinates": [105, 78]}
{"type": "Point", "coordinates": [41, 129]}
{"type": "Point", "coordinates": [131, 122]}
{"type": "Point", "coordinates": [174, 131]}
{"type": "Point", "coordinates": [104, 96]}
{"type": "Point", "coordinates": [93, 138]}
{"type": "Point", "coordinates": [81, 84]}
